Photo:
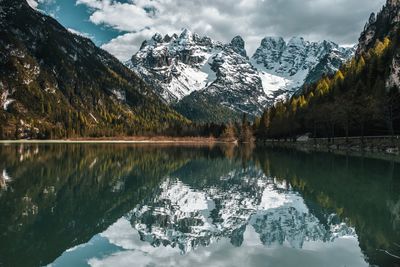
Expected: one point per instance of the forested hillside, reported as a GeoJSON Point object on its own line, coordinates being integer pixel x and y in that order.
{"type": "Point", "coordinates": [55, 84]}
{"type": "Point", "coordinates": [362, 98]}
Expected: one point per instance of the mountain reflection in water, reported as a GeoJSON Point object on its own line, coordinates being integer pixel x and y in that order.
{"type": "Point", "coordinates": [147, 205]}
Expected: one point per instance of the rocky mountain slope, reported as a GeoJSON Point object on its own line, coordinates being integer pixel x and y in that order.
{"type": "Point", "coordinates": [57, 84]}
{"type": "Point", "coordinates": [286, 67]}
{"type": "Point", "coordinates": [204, 79]}
{"type": "Point", "coordinates": [209, 81]}
{"type": "Point", "coordinates": [379, 26]}
{"type": "Point", "coordinates": [384, 24]}
{"type": "Point", "coordinates": [360, 99]}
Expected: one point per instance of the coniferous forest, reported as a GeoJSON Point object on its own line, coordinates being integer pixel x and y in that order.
{"type": "Point", "coordinates": [353, 102]}
{"type": "Point", "coordinates": [360, 99]}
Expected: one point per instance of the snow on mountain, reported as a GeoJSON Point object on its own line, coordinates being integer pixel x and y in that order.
{"type": "Point", "coordinates": [237, 85]}
{"type": "Point", "coordinates": [287, 66]}
{"type": "Point", "coordinates": [189, 71]}
{"type": "Point", "coordinates": [176, 65]}
{"type": "Point", "coordinates": [180, 216]}
{"type": "Point", "coordinates": [193, 68]}
{"type": "Point", "coordinates": [5, 101]}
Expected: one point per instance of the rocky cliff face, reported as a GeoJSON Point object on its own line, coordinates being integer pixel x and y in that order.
{"type": "Point", "coordinates": [385, 23]}
{"type": "Point", "coordinates": [186, 69]}
{"type": "Point", "coordinates": [175, 65]}
{"type": "Point", "coordinates": [209, 81]}
{"type": "Point", "coordinates": [285, 67]}
{"type": "Point", "coordinates": [236, 89]}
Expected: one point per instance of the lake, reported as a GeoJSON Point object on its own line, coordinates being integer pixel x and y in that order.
{"type": "Point", "coordinates": [163, 205]}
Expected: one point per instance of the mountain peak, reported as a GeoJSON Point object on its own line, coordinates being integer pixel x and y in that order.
{"type": "Point", "coordinates": [238, 41]}
{"type": "Point", "coordinates": [273, 43]}
{"type": "Point", "coordinates": [393, 2]}
{"type": "Point", "coordinates": [372, 18]}
{"type": "Point", "coordinates": [271, 39]}
{"type": "Point", "coordinates": [191, 71]}
{"type": "Point", "coordinates": [157, 37]}
{"type": "Point", "coordinates": [186, 32]}
{"type": "Point", "coordinates": [297, 41]}
{"type": "Point", "coordinates": [287, 66]}
{"type": "Point", "coordinates": [188, 36]}
{"type": "Point", "coordinates": [238, 46]}
{"type": "Point", "coordinates": [329, 45]}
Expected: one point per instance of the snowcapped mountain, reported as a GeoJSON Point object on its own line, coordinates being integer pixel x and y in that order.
{"type": "Point", "coordinates": [197, 68]}
{"type": "Point", "coordinates": [286, 66]}
{"type": "Point", "coordinates": [176, 65]}
{"type": "Point", "coordinates": [209, 81]}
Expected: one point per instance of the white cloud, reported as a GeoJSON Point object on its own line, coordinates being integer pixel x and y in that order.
{"type": "Point", "coordinates": [121, 16]}
{"type": "Point", "coordinates": [124, 46]}
{"type": "Point", "coordinates": [340, 21]}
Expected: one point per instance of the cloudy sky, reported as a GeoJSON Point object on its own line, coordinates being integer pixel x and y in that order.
{"type": "Point", "coordinates": [120, 26]}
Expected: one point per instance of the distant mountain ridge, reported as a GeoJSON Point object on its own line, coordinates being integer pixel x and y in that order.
{"type": "Point", "coordinates": [286, 66]}
{"type": "Point", "coordinates": [209, 81]}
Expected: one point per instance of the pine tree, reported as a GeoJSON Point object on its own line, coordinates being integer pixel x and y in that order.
{"type": "Point", "coordinates": [229, 133]}
{"type": "Point", "coordinates": [338, 77]}
{"type": "Point", "coordinates": [2, 134]}
{"type": "Point", "coordinates": [360, 65]}
{"type": "Point", "coordinates": [16, 132]}
{"type": "Point", "coordinates": [246, 134]}
{"type": "Point", "coordinates": [322, 87]}
{"type": "Point", "coordinates": [264, 124]}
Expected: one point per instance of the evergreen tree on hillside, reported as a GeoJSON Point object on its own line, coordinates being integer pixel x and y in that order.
{"type": "Point", "coordinates": [246, 133]}
{"type": "Point", "coordinates": [264, 124]}
{"type": "Point", "coordinates": [354, 101]}
{"type": "Point", "coordinates": [229, 133]}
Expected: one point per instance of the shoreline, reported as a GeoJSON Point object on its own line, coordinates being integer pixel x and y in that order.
{"type": "Point", "coordinates": [378, 152]}
{"type": "Point", "coordinates": [123, 140]}
{"type": "Point", "coordinates": [366, 144]}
